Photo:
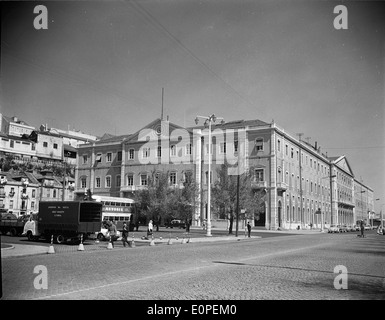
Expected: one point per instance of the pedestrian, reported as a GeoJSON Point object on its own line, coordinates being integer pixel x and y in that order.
{"type": "Point", "coordinates": [113, 232]}
{"type": "Point", "coordinates": [248, 228]}
{"type": "Point", "coordinates": [137, 224]}
{"type": "Point", "coordinates": [311, 226]}
{"type": "Point", "coordinates": [125, 234]}
{"type": "Point", "coordinates": [150, 228]}
{"type": "Point", "coordinates": [362, 228]}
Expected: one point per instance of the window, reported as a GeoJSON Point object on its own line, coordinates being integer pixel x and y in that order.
{"type": "Point", "coordinates": [55, 145]}
{"type": "Point", "coordinates": [159, 152]}
{"type": "Point", "coordinates": [236, 146]}
{"type": "Point", "coordinates": [207, 149]}
{"type": "Point", "coordinates": [188, 149]}
{"type": "Point", "coordinates": [48, 193]}
{"type": "Point", "coordinates": [54, 193]}
{"type": "Point", "coordinates": [33, 147]}
{"type": "Point", "coordinates": [130, 180]}
{"type": "Point", "coordinates": [12, 144]}
{"type": "Point", "coordinates": [259, 144]}
{"type": "Point", "coordinates": [292, 153]}
{"type": "Point", "coordinates": [173, 150]}
{"type": "Point", "coordinates": [259, 176]}
{"type": "Point", "coordinates": [143, 179]}
{"type": "Point", "coordinates": [108, 182]}
{"type": "Point", "coordinates": [118, 181]}
{"type": "Point", "coordinates": [287, 150]}
{"type": "Point", "coordinates": [85, 158]}
{"type": "Point", "coordinates": [145, 153]}
{"type": "Point", "coordinates": [99, 157]}
{"type": "Point", "coordinates": [10, 204]}
{"type": "Point", "coordinates": [279, 145]}
{"type": "Point", "coordinates": [33, 193]}
{"type": "Point", "coordinates": [222, 148]}
{"type": "Point", "coordinates": [109, 157]}
{"type": "Point", "coordinates": [173, 178]}
{"type": "Point", "coordinates": [131, 154]}
{"type": "Point", "coordinates": [97, 182]}
{"type": "Point", "coordinates": [45, 144]}
{"type": "Point", "coordinates": [32, 205]}
{"type": "Point", "coordinates": [83, 183]}
{"type": "Point", "coordinates": [119, 155]}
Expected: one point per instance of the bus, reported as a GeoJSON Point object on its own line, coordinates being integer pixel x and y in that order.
{"type": "Point", "coordinates": [118, 210]}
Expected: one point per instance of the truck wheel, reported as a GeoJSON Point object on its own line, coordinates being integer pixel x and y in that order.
{"type": "Point", "coordinates": [13, 232]}
{"type": "Point", "coordinates": [30, 236]}
{"type": "Point", "coordinates": [100, 237]}
{"type": "Point", "coordinates": [60, 239]}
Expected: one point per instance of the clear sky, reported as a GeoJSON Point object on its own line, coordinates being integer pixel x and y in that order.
{"type": "Point", "coordinates": [101, 66]}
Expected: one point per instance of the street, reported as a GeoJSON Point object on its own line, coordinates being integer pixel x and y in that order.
{"type": "Point", "coordinates": [297, 267]}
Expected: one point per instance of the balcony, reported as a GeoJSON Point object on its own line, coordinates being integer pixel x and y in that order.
{"type": "Point", "coordinates": [259, 184]}
{"type": "Point", "coordinates": [24, 196]}
{"type": "Point", "coordinates": [128, 188]}
{"type": "Point", "coordinates": [281, 186]}
{"type": "Point", "coordinates": [11, 194]}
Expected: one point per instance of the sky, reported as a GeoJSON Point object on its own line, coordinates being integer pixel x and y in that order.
{"type": "Point", "coordinates": [100, 67]}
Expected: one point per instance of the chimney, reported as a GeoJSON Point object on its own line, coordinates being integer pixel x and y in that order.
{"type": "Point", "coordinates": [315, 145]}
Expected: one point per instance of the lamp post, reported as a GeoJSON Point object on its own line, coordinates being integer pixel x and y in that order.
{"type": "Point", "coordinates": [362, 205]}
{"type": "Point", "coordinates": [208, 121]}
{"type": "Point", "coordinates": [331, 199]}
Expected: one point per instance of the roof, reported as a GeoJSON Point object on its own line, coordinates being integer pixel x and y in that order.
{"type": "Point", "coordinates": [235, 124]}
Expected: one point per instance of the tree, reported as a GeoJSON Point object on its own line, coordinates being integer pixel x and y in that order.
{"type": "Point", "coordinates": [225, 190]}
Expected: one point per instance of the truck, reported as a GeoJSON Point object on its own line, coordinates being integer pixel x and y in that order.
{"type": "Point", "coordinates": [64, 220]}
{"type": "Point", "coordinates": [11, 223]}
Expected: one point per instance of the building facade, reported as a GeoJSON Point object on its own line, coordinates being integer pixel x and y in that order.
{"type": "Point", "coordinates": [303, 187]}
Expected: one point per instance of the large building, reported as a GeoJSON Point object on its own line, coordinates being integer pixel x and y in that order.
{"type": "Point", "coordinates": [303, 186]}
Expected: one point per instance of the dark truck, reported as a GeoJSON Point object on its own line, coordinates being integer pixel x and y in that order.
{"type": "Point", "coordinates": [12, 224]}
{"type": "Point", "coordinates": [65, 220]}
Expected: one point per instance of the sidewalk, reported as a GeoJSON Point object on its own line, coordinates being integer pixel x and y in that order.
{"type": "Point", "coordinates": [14, 250]}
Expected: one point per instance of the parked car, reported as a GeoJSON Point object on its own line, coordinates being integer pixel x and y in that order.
{"type": "Point", "coordinates": [356, 227]}
{"type": "Point", "coordinates": [342, 228]}
{"type": "Point", "coordinates": [175, 224]}
{"type": "Point", "coordinates": [333, 229]}
{"type": "Point", "coordinates": [368, 227]}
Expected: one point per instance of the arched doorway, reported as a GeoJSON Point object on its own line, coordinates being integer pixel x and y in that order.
{"type": "Point", "coordinates": [279, 214]}
{"type": "Point", "coordinates": [260, 216]}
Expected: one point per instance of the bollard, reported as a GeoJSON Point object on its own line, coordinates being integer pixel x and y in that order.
{"type": "Point", "coordinates": [81, 246]}
{"type": "Point", "coordinates": [152, 242]}
{"type": "Point", "coordinates": [51, 248]}
{"type": "Point", "coordinates": [169, 240]}
{"type": "Point", "coordinates": [109, 246]}
{"type": "Point", "coordinates": [132, 244]}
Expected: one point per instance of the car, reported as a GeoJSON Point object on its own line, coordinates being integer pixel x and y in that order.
{"type": "Point", "coordinates": [176, 224]}
{"type": "Point", "coordinates": [333, 229]}
{"type": "Point", "coordinates": [368, 227]}
{"type": "Point", "coordinates": [342, 228]}
{"type": "Point", "coordinates": [103, 233]}
{"type": "Point", "coordinates": [356, 227]}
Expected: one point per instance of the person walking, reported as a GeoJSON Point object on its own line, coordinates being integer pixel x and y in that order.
{"type": "Point", "coordinates": [150, 228]}
{"type": "Point", "coordinates": [362, 228]}
{"type": "Point", "coordinates": [125, 234]}
{"type": "Point", "coordinates": [248, 228]}
{"type": "Point", "coordinates": [113, 232]}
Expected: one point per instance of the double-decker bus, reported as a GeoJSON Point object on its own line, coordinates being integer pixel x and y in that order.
{"type": "Point", "coordinates": [117, 209]}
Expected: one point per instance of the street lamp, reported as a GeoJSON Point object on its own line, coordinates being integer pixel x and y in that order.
{"type": "Point", "coordinates": [331, 200]}
{"type": "Point", "coordinates": [208, 121]}
{"type": "Point", "coordinates": [362, 205]}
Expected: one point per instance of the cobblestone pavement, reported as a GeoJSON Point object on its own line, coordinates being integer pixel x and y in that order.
{"type": "Point", "coordinates": [281, 268]}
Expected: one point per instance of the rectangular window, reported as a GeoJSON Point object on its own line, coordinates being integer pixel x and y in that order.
{"type": "Point", "coordinates": [55, 145]}
{"type": "Point", "coordinates": [48, 193]}
{"type": "Point", "coordinates": [33, 193]}
{"type": "Point", "coordinates": [173, 150]}
{"type": "Point", "coordinates": [173, 178]}
{"type": "Point", "coordinates": [259, 144]}
{"type": "Point", "coordinates": [108, 182]}
{"type": "Point", "coordinates": [236, 146]}
{"type": "Point", "coordinates": [45, 144]}
{"type": "Point", "coordinates": [54, 194]}
{"type": "Point", "coordinates": [84, 183]}
{"type": "Point", "coordinates": [119, 155]}
{"type": "Point", "coordinates": [131, 154]}
{"type": "Point", "coordinates": [143, 180]}
{"type": "Point", "coordinates": [118, 181]}
{"type": "Point", "coordinates": [279, 145]}
{"type": "Point", "coordinates": [33, 147]}
{"type": "Point", "coordinates": [12, 144]}
{"type": "Point", "coordinates": [259, 176]}
{"type": "Point", "coordinates": [292, 153]}
{"type": "Point", "coordinates": [99, 157]}
{"type": "Point", "coordinates": [188, 149]}
{"type": "Point", "coordinates": [287, 150]}
{"type": "Point", "coordinates": [145, 153]}
{"type": "Point", "coordinates": [32, 205]}
{"type": "Point", "coordinates": [109, 157]}
{"type": "Point", "coordinates": [97, 182]}
{"type": "Point", "coordinates": [130, 180]}
{"type": "Point", "coordinates": [85, 158]}
{"type": "Point", "coordinates": [159, 152]}
{"type": "Point", "coordinates": [222, 148]}
{"type": "Point", "coordinates": [10, 204]}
